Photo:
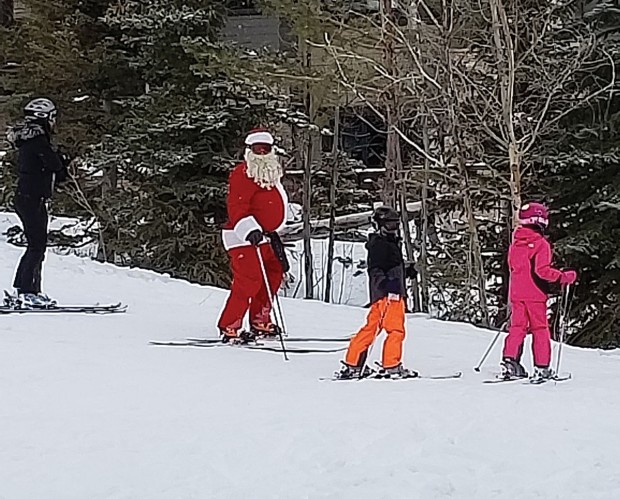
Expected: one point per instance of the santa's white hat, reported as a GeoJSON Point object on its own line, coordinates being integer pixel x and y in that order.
{"type": "Point", "coordinates": [259, 136]}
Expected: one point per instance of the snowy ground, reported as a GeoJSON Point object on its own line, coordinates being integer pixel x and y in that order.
{"type": "Point", "coordinates": [89, 410]}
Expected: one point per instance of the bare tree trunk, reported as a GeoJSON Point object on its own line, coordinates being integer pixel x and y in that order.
{"type": "Point", "coordinates": [307, 191]}
{"type": "Point", "coordinates": [505, 53]}
{"type": "Point", "coordinates": [476, 262]}
{"type": "Point", "coordinates": [308, 150]}
{"type": "Point", "coordinates": [404, 215]}
{"type": "Point", "coordinates": [110, 174]}
{"type": "Point", "coordinates": [389, 180]}
{"type": "Point", "coordinates": [332, 207]}
{"type": "Point", "coordinates": [504, 312]}
{"type": "Point", "coordinates": [391, 104]}
{"type": "Point", "coordinates": [7, 13]}
{"type": "Point", "coordinates": [423, 261]}
{"type": "Point", "coordinates": [515, 181]}
{"type": "Point", "coordinates": [476, 249]}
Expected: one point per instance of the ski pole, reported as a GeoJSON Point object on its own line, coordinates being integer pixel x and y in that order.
{"type": "Point", "coordinates": [564, 309]}
{"type": "Point", "coordinates": [488, 351]}
{"type": "Point", "coordinates": [278, 247]}
{"type": "Point", "coordinates": [280, 317]}
{"type": "Point", "coordinates": [268, 290]}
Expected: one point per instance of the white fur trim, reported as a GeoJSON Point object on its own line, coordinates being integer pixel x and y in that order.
{"type": "Point", "coordinates": [259, 138]}
{"type": "Point", "coordinates": [231, 240]}
{"type": "Point", "coordinates": [246, 225]}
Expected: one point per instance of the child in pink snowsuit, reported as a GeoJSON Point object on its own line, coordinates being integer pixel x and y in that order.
{"type": "Point", "coordinates": [529, 259]}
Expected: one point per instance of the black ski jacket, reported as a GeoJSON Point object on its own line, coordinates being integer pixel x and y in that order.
{"type": "Point", "coordinates": [39, 164]}
{"type": "Point", "coordinates": [386, 269]}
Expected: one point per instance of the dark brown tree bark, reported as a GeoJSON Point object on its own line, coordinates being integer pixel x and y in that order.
{"type": "Point", "coordinates": [7, 13]}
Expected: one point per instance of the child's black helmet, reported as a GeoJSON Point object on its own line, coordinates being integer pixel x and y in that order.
{"type": "Point", "coordinates": [386, 220]}
{"type": "Point", "coordinates": [42, 110]}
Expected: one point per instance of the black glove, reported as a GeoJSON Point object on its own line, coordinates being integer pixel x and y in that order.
{"type": "Point", "coordinates": [65, 158]}
{"type": "Point", "coordinates": [61, 175]}
{"type": "Point", "coordinates": [255, 237]}
{"type": "Point", "coordinates": [410, 270]}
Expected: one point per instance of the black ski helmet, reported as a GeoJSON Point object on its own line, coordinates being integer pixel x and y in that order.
{"type": "Point", "coordinates": [41, 110]}
{"type": "Point", "coordinates": [386, 220]}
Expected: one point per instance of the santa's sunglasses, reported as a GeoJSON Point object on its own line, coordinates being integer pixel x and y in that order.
{"type": "Point", "coordinates": [261, 149]}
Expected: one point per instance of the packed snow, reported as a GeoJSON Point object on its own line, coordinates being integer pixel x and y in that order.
{"type": "Point", "coordinates": [88, 409]}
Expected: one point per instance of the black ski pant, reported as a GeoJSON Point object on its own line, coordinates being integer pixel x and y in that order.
{"type": "Point", "coordinates": [33, 214]}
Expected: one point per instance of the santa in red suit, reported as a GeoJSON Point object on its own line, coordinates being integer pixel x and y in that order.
{"type": "Point", "coordinates": [257, 206]}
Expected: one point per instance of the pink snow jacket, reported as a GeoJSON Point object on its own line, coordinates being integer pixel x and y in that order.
{"type": "Point", "coordinates": [529, 259]}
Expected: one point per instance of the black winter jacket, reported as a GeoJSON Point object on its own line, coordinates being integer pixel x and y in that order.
{"type": "Point", "coordinates": [386, 269]}
{"type": "Point", "coordinates": [39, 164]}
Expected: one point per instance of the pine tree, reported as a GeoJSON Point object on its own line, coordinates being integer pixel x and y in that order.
{"type": "Point", "coordinates": [176, 143]}
{"type": "Point", "coordinates": [581, 177]}
{"type": "Point", "coordinates": [54, 50]}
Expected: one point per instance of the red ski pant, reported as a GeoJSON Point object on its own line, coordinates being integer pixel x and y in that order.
{"type": "Point", "coordinates": [384, 314]}
{"type": "Point", "coordinates": [529, 316]}
{"type": "Point", "coordinates": [248, 286]}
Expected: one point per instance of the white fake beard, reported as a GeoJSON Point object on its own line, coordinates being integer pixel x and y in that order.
{"type": "Point", "coordinates": [264, 169]}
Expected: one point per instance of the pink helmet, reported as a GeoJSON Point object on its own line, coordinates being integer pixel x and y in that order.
{"type": "Point", "coordinates": [534, 214]}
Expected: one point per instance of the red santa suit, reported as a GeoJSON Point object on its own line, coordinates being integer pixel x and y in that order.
{"type": "Point", "coordinates": [251, 207]}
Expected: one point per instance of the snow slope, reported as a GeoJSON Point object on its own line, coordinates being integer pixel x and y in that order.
{"type": "Point", "coordinates": [89, 410]}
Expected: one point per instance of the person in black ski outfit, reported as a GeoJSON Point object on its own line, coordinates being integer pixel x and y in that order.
{"type": "Point", "coordinates": [386, 279]}
{"type": "Point", "coordinates": [40, 166]}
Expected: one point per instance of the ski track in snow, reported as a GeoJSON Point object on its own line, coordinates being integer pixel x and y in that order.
{"type": "Point", "coordinates": [89, 410]}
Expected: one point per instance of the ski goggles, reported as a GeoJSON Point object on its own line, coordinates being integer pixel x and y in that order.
{"type": "Point", "coordinates": [261, 149]}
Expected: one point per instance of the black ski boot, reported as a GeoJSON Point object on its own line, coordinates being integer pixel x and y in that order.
{"type": "Point", "coordinates": [236, 336]}
{"type": "Point", "coordinates": [541, 374]}
{"type": "Point", "coordinates": [265, 330]}
{"type": "Point", "coordinates": [397, 372]}
{"type": "Point", "coordinates": [512, 369]}
{"type": "Point", "coordinates": [353, 372]}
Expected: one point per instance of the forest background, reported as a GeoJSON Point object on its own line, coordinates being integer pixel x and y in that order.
{"type": "Point", "coordinates": [455, 112]}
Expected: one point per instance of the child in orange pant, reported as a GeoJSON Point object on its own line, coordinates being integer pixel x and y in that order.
{"type": "Point", "coordinates": [386, 273]}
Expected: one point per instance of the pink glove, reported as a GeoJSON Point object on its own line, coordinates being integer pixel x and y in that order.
{"type": "Point", "coordinates": [568, 277]}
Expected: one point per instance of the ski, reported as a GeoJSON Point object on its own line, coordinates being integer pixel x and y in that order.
{"type": "Point", "coordinates": [502, 380]}
{"type": "Point", "coordinates": [60, 309]}
{"type": "Point", "coordinates": [455, 375]}
{"type": "Point", "coordinates": [376, 376]}
{"type": "Point", "coordinates": [296, 349]}
{"type": "Point", "coordinates": [192, 343]}
{"type": "Point", "coordinates": [11, 305]}
{"type": "Point", "coordinates": [275, 338]}
{"type": "Point", "coordinates": [247, 346]}
{"type": "Point", "coordinates": [526, 381]}
{"type": "Point", "coordinates": [557, 379]}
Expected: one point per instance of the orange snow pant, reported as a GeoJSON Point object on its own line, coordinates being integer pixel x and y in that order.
{"type": "Point", "coordinates": [384, 314]}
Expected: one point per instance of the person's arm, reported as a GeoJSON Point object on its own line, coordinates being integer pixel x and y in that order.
{"type": "Point", "coordinates": [49, 158]}
{"type": "Point", "coordinates": [239, 208]}
{"type": "Point", "coordinates": [542, 264]}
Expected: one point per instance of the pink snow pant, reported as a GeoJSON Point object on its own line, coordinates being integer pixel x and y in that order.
{"type": "Point", "coordinates": [532, 316]}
